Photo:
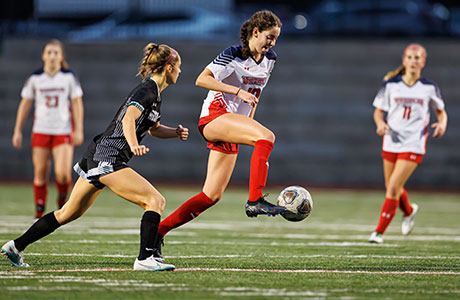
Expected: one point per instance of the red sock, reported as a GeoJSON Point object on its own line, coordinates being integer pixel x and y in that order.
{"type": "Point", "coordinates": [404, 203]}
{"type": "Point", "coordinates": [185, 213]}
{"type": "Point", "coordinates": [63, 190]}
{"type": "Point", "coordinates": [259, 168]}
{"type": "Point", "coordinates": [40, 193]}
{"type": "Point", "coordinates": [386, 215]}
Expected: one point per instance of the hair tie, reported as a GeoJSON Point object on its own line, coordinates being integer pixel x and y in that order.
{"type": "Point", "coordinates": [150, 53]}
{"type": "Point", "coordinates": [171, 58]}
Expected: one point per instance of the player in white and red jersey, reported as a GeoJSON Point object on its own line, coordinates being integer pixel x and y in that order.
{"type": "Point", "coordinates": [58, 122]}
{"type": "Point", "coordinates": [406, 98]}
{"type": "Point", "coordinates": [235, 80]}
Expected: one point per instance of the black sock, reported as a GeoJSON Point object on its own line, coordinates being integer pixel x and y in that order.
{"type": "Point", "coordinates": [149, 229]}
{"type": "Point", "coordinates": [44, 226]}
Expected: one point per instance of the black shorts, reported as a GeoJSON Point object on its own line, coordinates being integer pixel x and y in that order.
{"type": "Point", "coordinates": [91, 170]}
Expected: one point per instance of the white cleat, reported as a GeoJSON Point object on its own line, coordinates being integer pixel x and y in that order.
{"type": "Point", "coordinates": [151, 264]}
{"type": "Point", "coordinates": [376, 237]}
{"type": "Point", "coordinates": [408, 222]}
{"type": "Point", "coordinates": [15, 257]}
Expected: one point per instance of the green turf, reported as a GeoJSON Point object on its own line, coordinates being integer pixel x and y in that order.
{"type": "Point", "coordinates": [333, 238]}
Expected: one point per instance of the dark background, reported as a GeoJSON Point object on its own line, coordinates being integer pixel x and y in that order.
{"type": "Point", "coordinates": [332, 56]}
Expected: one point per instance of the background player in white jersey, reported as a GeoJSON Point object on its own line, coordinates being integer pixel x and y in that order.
{"type": "Point", "coordinates": [406, 98]}
{"type": "Point", "coordinates": [58, 122]}
{"type": "Point", "coordinates": [105, 162]}
{"type": "Point", "coordinates": [235, 80]}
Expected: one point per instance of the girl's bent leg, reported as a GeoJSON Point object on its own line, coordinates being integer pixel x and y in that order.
{"type": "Point", "coordinates": [220, 168]}
{"type": "Point", "coordinates": [131, 186]}
{"type": "Point", "coordinates": [82, 197]}
{"type": "Point", "coordinates": [128, 184]}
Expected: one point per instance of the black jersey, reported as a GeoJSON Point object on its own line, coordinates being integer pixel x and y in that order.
{"type": "Point", "coordinates": [111, 145]}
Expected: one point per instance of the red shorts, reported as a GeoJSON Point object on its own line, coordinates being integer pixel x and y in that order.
{"type": "Point", "coordinates": [50, 141]}
{"type": "Point", "coordinates": [216, 109]}
{"type": "Point", "coordinates": [393, 157]}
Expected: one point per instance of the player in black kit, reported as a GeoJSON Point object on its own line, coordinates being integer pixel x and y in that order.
{"type": "Point", "coordinates": [105, 162]}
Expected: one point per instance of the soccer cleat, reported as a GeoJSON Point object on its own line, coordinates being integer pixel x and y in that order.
{"type": "Point", "coordinates": [15, 257]}
{"type": "Point", "coordinates": [263, 207]}
{"type": "Point", "coordinates": [157, 250]}
{"type": "Point", "coordinates": [376, 237]}
{"type": "Point", "coordinates": [151, 264]}
{"type": "Point", "coordinates": [408, 222]}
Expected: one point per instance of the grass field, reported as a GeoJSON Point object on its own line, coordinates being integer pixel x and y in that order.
{"type": "Point", "coordinates": [225, 255]}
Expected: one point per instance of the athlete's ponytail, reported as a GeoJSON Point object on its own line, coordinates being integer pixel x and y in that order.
{"type": "Point", "coordinates": [156, 57]}
{"type": "Point", "coordinates": [398, 71]}
{"type": "Point", "coordinates": [262, 20]}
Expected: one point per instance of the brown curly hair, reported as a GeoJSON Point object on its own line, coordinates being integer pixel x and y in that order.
{"type": "Point", "coordinates": [261, 20]}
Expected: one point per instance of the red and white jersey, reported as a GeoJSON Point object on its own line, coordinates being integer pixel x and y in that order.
{"type": "Point", "coordinates": [229, 67]}
{"type": "Point", "coordinates": [408, 117]}
{"type": "Point", "coordinates": [52, 96]}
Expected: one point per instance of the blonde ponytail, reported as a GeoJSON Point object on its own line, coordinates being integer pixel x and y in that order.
{"type": "Point", "coordinates": [398, 71]}
{"type": "Point", "coordinates": [156, 57]}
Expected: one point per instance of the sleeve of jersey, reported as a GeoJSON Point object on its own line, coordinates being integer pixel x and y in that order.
{"type": "Point", "coordinates": [436, 101]}
{"type": "Point", "coordinates": [75, 88]}
{"type": "Point", "coordinates": [223, 65]}
{"type": "Point", "coordinates": [381, 99]}
{"type": "Point", "coordinates": [140, 99]}
{"type": "Point", "coordinates": [28, 89]}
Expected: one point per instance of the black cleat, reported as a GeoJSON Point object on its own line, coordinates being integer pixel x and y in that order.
{"type": "Point", "coordinates": [262, 207]}
{"type": "Point", "coordinates": [157, 250]}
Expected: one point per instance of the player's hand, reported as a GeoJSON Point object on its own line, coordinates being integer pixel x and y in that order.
{"type": "Point", "coordinates": [77, 138]}
{"type": "Point", "coordinates": [247, 97]}
{"type": "Point", "coordinates": [182, 132]}
{"type": "Point", "coordinates": [139, 150]}
{"type": "Point", "coordinates": [17, 140]}
{"type": "Point", "coordinates": [382, 128]}
{"type": "Point", "coordinates": [439, 129]}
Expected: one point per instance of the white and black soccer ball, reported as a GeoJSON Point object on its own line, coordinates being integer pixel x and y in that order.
{"type": "Point", "coordinates": [298, 203]}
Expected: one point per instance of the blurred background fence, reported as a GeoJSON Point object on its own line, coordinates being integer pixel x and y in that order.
{"type": "Point", "coordinates": [332, 56]}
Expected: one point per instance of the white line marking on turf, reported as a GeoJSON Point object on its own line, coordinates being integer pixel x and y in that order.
{"type": "Point", "coordinates": [246, 270]}
{"type": "Point", "coordinates": [20, 223]}
{"type": "Point", "coordinates": [250, 255]}
{"type": "Point", "coordinates": [275, 244]}
{"type": "Point", "coordinates": [355, 237]}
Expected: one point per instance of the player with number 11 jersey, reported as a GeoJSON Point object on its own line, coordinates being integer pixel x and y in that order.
{"type": "Point", "coordinates": [408, 110]}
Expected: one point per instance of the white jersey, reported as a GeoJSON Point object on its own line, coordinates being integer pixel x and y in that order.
{"type": "Point", "coordinates": [52, 95]}
{"type": "Point", "coordinates": [229, 67]}
{"type": "Point", "coordinates": [408, 117]}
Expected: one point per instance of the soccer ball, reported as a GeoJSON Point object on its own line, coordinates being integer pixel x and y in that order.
{"type": "Point", "coordinates": [298, 203]}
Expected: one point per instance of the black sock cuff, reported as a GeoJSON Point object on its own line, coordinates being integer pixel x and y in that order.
{"type": "Point", "coordinates": [151, 217]}
{"type": "Point", "coordinates": [51, 220]}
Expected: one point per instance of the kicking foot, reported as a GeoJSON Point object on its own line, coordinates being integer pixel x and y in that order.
{"type": "Point", "coordinates": [263, 207]}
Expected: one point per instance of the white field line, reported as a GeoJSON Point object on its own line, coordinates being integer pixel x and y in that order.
{"type": "Point", "coordinates": [388, 237]}
{"type": "Point", "coordinates": [234, 292]}
{"type": "Point", "coordinates": [86, 224]}
{"type": "Point", "coordinates": [250, 255]}
{"type": "Point", "coordinates": [355, 237]}
{"type": "Point", "coordinates": [244, 270]}
{"type": "Point", "coordinates": [232, 243]}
